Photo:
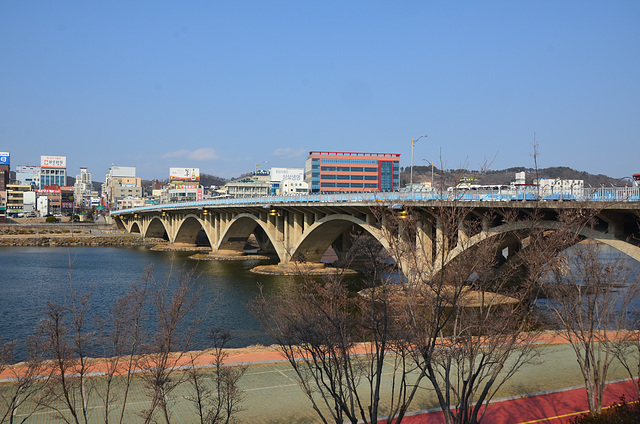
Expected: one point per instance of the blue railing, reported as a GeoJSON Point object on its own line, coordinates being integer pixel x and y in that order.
{"type": "Point", "coordinates": [602, 194]}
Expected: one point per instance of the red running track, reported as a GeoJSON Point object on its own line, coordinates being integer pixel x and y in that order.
{"type": "Point", "coordinates": [551, 408]}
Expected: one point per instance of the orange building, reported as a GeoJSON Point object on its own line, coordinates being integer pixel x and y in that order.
{"type": "Point", "coordinates": [352, 171]}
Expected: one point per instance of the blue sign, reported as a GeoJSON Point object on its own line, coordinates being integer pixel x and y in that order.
{"type": "Point", "coordinates": [4, 158]}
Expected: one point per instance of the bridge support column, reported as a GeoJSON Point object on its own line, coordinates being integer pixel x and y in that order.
{"type": "Point", "coordinates": [424, 242]}
{"type": "Point", "coordinates": [441, 242]}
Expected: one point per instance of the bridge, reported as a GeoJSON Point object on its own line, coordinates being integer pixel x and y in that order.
{"type": "Point", "coordinates": [307, 226]}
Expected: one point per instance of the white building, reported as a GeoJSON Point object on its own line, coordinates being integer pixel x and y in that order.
{"type": "Point", "coordinates": [83, 191]}
{"type": "Point", "coordinates": [43, 205]}
{"type": "Point", "coordinates": [278, 175]}
{"type": "Point", "coordinates": [557, 186]}
{"type": "Point", "coordinates": [28, 174]}
{"type": "Point", "coordinates": [288, 187]}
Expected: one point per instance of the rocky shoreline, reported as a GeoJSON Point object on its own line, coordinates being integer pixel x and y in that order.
{"type": "Point", "coordinates": [70, 235]}
{"type": "Point", "coordinates": [77, 240]}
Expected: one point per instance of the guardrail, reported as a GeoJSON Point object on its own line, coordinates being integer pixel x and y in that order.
{"type": "Point", "coordinates": [601, 194]}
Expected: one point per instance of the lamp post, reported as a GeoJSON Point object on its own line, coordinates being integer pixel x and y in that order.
{"type": "Point", "coordinates": [413, 142]}
{"type": "Point", "coordinates": [431, 172]}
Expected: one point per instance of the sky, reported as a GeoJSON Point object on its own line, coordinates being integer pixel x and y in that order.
{"type": "Point", "coordinates": [224, 86]}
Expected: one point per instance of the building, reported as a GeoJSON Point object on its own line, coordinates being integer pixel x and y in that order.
{"type": "Point", "coordinates": [53, 171]}
{"type": "Point", "coordinates": [291, 187]}
{"type": "Point", "coordinates": [28, 174]}
{"type": "Point", "coordinates": [249, 186]}
{"type": "Point", "coordinates": [184, 185]}
{"type": "Point", "coordinates": [120, 183]}
{"type": "Point", "coordinates": [352, 171]}
{"type": "Point", "coordinates": [557, 186]}
{"type": "Point", "coordinates": [4, 181]}
{"type": "Point", "coordinates": [54, 197]}
{"type": "Point", "coordinates": [279, 175]}
{"type": "Point", "coordinates": [15, 197]}
{"type": "Point", "coordinates": [83, 193]}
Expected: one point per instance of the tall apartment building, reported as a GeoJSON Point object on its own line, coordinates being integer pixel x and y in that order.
{"type": "Point", "coordinates": [352, 171]}
{"type": "Point", "coordinates": [83, 192]}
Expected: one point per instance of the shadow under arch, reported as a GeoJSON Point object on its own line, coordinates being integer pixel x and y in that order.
{"type": "Point", "coordinates": [240, 228]}
{"type": "Point", "coordinates": [190, 231]}
{"type": "Point", "coordinates": [625, 247]}
{"type": "Point", "coordinates": [135, 228]}
{"type": "Point", "coordinates": [321, 235]}
{"type": "Point", "coordinates": [157, 229]}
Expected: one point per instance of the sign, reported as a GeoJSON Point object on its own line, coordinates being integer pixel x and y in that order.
{"type": "Point", "coordinates": [184, 174]}
{"type": "Point", "coordinates": [4, 158]}
{"type": "Point", "coordinates": [199, 195]}
{"type": "Point", "coordinates": [53, 161]}
{"type": "Point", "coordinates": [283, 174]}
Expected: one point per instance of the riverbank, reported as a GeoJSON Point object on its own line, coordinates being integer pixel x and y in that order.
{"type": "Point", "coordinates": [34, 232]}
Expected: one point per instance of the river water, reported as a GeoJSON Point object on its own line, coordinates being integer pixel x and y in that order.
{"type": "Point", "coordinates": [32, 276]}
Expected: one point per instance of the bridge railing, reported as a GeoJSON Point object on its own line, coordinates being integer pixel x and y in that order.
{"type": "Point", "coordinates": [599, 194]}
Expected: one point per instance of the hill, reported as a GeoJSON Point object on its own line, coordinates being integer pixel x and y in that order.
{"type": "Point", "coordinates": [505, 176]}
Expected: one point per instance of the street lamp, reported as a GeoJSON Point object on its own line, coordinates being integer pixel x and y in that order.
{"type": "Point", "coordinates": [431, 172]}
{"type": "Point", "coordinates": [413, 142]}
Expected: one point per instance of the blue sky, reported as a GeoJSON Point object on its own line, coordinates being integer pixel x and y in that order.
{"type": "Point", "coordinates": [224, 85]}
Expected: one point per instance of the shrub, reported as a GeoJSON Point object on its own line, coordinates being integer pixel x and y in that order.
{"type": "Point", "coordinates": [620, 413]}
{"type": "Point", "coordinates": [50, 219]}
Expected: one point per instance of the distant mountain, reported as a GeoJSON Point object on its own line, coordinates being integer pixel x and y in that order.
{"type": "Point", "coordinates": [505, 176]}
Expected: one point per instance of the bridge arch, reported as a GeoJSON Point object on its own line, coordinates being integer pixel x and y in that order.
{"type": "Point", "coordinates": [189, 228]}
{"type": "Point", "coordinates": [320, 236]}
{"type": "Point", "coordinates": [629, 249]}
{"type": "Point", "coordinates": [157, 228]}
{"type": "Point", "coordinates": [135, 228]}
{"type": "Point", "coordinates": [238, 231]}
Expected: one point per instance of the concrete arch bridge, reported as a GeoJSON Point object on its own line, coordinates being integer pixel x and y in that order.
{"type": "Point", "coordinates": [292, 230]}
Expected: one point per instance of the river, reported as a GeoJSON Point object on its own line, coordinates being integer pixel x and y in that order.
{"type": "Point", "coordinates": [32, 276]}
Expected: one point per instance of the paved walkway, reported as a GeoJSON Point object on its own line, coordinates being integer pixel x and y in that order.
{"type": "Point", "coordinates": [272, 394]}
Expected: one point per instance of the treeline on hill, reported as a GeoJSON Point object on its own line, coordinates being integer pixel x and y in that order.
{"type": "Point", "coordinates": [205, 180]}
{"type": "Point", "coordinates": [504, 176]}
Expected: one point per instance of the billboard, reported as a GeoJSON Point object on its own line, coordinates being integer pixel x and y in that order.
{"type": "Point", "coordinates": [184, 174]}
{"type": "Point", "coordinates": [282, 174]}
{"type": "Point", "coordinates": [53, 161]}
{"type": "Point", "coordinates": [123, 171]}
{"type": "Point", "coordinates": [4, 158]}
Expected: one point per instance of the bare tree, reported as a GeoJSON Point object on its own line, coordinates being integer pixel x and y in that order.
{"type": "Point", "coordinates": [593, 298]}
{"type": "Point", "coordinates": [216, 399]}
{"type": "Point", "coordinates": [28, 379]}
{"type": "Point", "coordinates": [175, 327]}
{"type": "Point", "coordinates": [66, 346]}
{"type": "Point", "coordinates": [344, 346]}
{"type": "Point", "coordinates": [470, 316]}
{"type": "Point", "coordinates": [120, 338]}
